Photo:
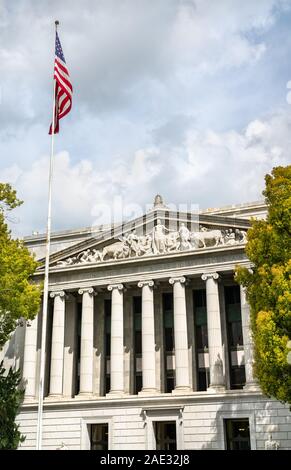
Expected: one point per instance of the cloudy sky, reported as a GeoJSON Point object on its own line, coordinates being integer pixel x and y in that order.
{"type": "Point", "coordinates": [187, 98]}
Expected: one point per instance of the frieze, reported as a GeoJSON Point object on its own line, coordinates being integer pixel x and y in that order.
{"type": "Point", "coordinates": [160, 240]}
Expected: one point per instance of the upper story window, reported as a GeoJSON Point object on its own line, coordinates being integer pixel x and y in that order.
{"type": "Point", "coordinates": [233, 316]}
{"type": "Point", "coordinates": [200, 319]}
{"type": "Point", "coordinates": [168, 322]}
{"type": "Point", "coordinates": [137, 324]}
{"type": "Point", "coordinates": [107, 308]}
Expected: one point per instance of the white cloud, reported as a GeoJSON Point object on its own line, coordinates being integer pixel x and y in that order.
{"type": "Point", "coordinates": [208, 168]}
{"type": "Point", "coordinates": [162, 89]}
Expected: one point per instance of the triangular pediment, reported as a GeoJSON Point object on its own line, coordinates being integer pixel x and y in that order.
{"type": "Point", "coordinates": [159, 232]}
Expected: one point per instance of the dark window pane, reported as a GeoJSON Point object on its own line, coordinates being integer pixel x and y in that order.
{"type": "Point", "coordinates": [237, 434]}
{"type": "Point", "coordinates": [137, 342]}
{"type": "Point", "coordinates": [165, 434]}
{"type": "Point", "coordinates": [235, 334]}
{"type": "Point", "coordinates": [169, 339]}
{"type": "Point", "coordinates": [233, 316]}
{"type": "Point", "coordinates": [170, 382]}
{"type": "Point", "coordinates": [107, 383]}
{"type": "Point", "coordinates": [202, 337]}
{"type": "Point", "coordinates": [167, 302]}
{"type": "Point", "coordinates": [107, 344]}
{"type": "Point", "coordinates": [137, 304]}
{"type": "Point", "coordinates": [99, 436]}
{"type": "Point", "coordinates": [203, 380]}
{"type": "Point", "coordinates": [232, 294]}
{"type": "Point", "coordinates": [199, 297]}
{"type": "Point", "coordinates": [237, 377]}
{"type": "Point", "coordinates": [138, 382]}
{"type": "Point", "coordinates": [107, 309]}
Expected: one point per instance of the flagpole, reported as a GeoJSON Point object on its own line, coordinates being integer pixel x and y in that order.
{"type": "Point", "coordinates": [46, 281]}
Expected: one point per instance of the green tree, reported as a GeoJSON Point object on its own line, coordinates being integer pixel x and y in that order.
{"type": "Point", "coordinates": [19, 298]}
{"type": "Point", "coordinates": [268, 286]}
{"type": "Point", "coordinates": [11, 397]}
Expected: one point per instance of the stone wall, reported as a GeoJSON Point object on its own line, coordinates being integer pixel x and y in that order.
{"type": "Point", "coordinates": [199, 421]}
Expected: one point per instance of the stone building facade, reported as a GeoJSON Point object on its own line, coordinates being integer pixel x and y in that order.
{"type": "Point", "coordinates": [148, 342]}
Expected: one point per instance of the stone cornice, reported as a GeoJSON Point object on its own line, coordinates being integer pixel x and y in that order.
{"type": "Point", "coordinates": [145, 259]}
{"type": "Point", "coordinates": [134, 277]}
{"type": "Point", "coordinates": [161, 400]}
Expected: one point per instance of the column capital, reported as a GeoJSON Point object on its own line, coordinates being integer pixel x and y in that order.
{"type": "Point", "coordinates": [86, 290]}
{"type": "Point", "coordinates": [115, 286]}
{"type": "Point", "coordinates": [207, 276]}
{"type": "Point", "coordinates": [146, 283]}
{"type": "Point", "coordinates": [60, 293]}
{"type": "Point", "coordinates": [181, 279]}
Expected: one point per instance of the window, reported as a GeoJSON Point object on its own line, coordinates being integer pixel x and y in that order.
{"type": "Point", "coordinates": [168, 322]}
{"type": "Point", "coordinates": [169, 341]}
{"type": "Point", "coordinates": [200, 318]}
{"type": "Point", "coordinates": [165, 435]}
{"type": "Point", "coordinates": [237, 434]}
{"type": "Point", "coordinates": [138, 382]}
{"type": "Point", "coordinates": [203, 379]}
{"type": "Point", "coordinates": [137, 324]}
{"type": "Point", "coordinates": [233, 316]}
{"type": "Point", "coordinates": [107, 341]}
{"type": "Point", "coordinates": [201, 337]}
{"type": "Point", "coordinates": [137, 343]}
{"type": "Point", "coordinates": [99, 436]}
{"type": "Point", "coordinates": [234, 333]}
{"type": "Point", "coordinates": [107, 310]}
{"type": "Point", "coordinates": [78, 348]}
{"type": "Point", "coordinates": [237, 377]}
{"type": "Point", "coordinates": [170, 381]}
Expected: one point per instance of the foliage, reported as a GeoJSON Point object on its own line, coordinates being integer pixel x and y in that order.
{"type": "Point", "coordinates": [18, 296]}
{"type": "Point", "coordinates": [11, 397]}
{"type": "Point", "coordinates": [268, 286]}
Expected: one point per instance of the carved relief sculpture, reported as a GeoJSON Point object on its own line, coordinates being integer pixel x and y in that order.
{"type": "Point", "coordinates": [161, 240]}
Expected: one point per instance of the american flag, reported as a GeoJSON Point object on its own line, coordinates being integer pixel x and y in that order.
{"type": "Point", "coordinates": [64, 87]}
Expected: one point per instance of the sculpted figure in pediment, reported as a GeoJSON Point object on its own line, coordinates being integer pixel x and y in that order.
{"type": "Point", "coordinates": [145, 245]}
{"type": "Point", "coordinates": [240, 236]}
{"type": "Point", "coordinates": [205, 238]}
{"type": "Point", "coordinates": [117, 250]}
{"type": "Point", "coordinates": [68, 261]}
{"type": "Point", "coordinates": [184, 237]}
{"type": "Point", "coordinates": [159, 238]}
{"type": "Point", "coordinates": [133, 242]}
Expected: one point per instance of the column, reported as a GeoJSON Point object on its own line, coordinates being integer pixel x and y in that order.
{"type": "Point", "coordinates": [57, 351]}
{"type": "Point", "coordinates": [87, 335]}
{"type": "Point", "coordinates": [116, 344]}
{"type": "Point", "coordinates": [217, 379]}
{"type": "Point", "coordinates": [70, 347]}
{"type": "Point", "coordinates": [30, 358]}
{"type": "Point", "coordinates": [251, 383]}
{"type": "Point", "coordinates": [180, 335]}
{"type": "Point", "coordinates": [148, 338]}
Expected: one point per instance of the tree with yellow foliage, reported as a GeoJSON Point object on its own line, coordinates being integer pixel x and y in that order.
{"type": "Point", "coordinates": [268, 287]}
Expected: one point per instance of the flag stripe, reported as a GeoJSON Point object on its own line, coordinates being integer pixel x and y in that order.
{"type": "Point", "coordinates": [64, 89]}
